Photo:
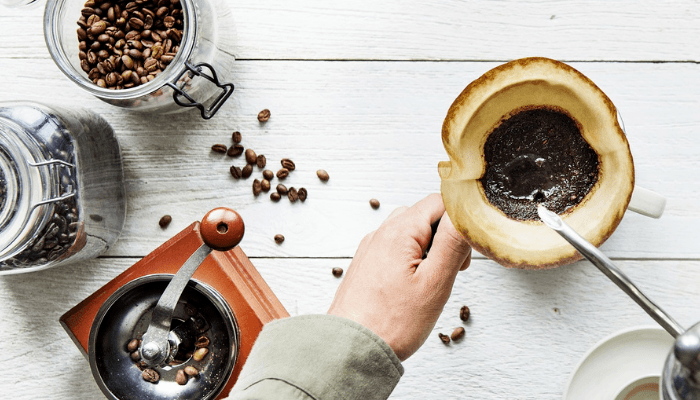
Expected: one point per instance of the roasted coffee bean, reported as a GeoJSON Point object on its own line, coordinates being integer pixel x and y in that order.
{"type": "Point", "coordinates": [165, 220]}
{"type": "Point", "coordinates": [279, 238]}
{"type": "Point", "coordinates": [235, 150]}
{"type": "Point", "coordinates": [261, 161]}
{"type": "Point", "coordinates": [269, 175]}
{"type": "Point", "coordinates": [282, 173]}
{"type": "Point", "coordinates": [191, 371]}
{"type": "Point", "coordinates": [264, 115]}
{"type": "Point", "coordinates": [201, 341]}
{"type": "Point", "coordinates": [302, 194]}
{"type": "Point", "coordinates": [135, 355]}
{"type": "Point", "coordinates": [464, 313]}
{"type": "Point", "coordinates": [457, 334]}
{"type": "Point", "coordinates": [257, 187]}
{"type": "Point", "coordinates": [133, 345]}
{"type": "Point", "coordinates": [322, 175]}
{"type": "Point", "coordinates": [236, 137]}
{"type": "Point", "coordinates": [288, 164]}
{"type": "Point", "coordinates": [445, 339]}
{"type": "Point", "coordinates": [181, 377]}
{"type": "Point", "coordinates": [292, 195]}
{"type": "Point", "coordinates": [265, 185]}
{"type": "Point", "coordinates": [281, 189]}
{"type": "Point", "coordinates": [250, 156]}
{"type": "Point", "coordinates": [200, 353]}
{"type": "Point", "coordinates": [274, 196]}
{"type": "Point", "coordinates": [337, 272]}
{"type": "Point", "coordinates": [247, 171]}
{"type": "Point", "coordinates": [374, 203]}
{"type": "Point", "coordinates": [150, 375]}
{"type": "Point", "coordinates": [236, 172]}
{"type": "Point", "coordinates": [219, 148]}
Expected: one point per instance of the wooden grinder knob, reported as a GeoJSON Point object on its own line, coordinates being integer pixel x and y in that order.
{"type": "Point", "coordinates": [222, 229]}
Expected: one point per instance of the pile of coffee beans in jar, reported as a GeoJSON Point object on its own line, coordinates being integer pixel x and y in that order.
{"type": "Point", "coordinates": [123, 44]}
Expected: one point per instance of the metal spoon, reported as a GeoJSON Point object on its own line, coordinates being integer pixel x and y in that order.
{"type": "Point", "coordinates": [606, 266]}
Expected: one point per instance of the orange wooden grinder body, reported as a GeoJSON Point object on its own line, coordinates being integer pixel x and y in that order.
{"type": "Point", "coordinates": [229, 272]}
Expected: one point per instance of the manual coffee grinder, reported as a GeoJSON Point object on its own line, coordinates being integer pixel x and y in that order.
{"type": "Point", "coordinates": [180, 323]}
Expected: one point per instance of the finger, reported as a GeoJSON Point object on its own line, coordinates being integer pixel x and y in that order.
{"type": "Point", "coordinates": [467, 262]}
{"type": "Point", "coordinates": [450, 253]}
{"type": "Point", "coordinates": [398, 211]}
{"type": "Point", "coordinates": [421, 215]}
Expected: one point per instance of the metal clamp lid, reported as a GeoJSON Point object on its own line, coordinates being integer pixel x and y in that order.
{"type": "Point", "coordinates": [227, 89]}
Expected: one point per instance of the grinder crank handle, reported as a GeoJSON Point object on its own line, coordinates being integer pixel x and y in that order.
{"type": "Point", "coordinates": [221, 229]}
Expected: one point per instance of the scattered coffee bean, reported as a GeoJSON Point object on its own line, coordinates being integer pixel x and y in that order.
{"type": "Point", "coordinates": [292, 195]}
{"type": "Point", "coordinates": [181, 377]}
{"type": "Point", "coordinates": [236, 172]}
{"type": "Point", "coordinates": [445, 339]}
{"type": "Point", "coordinates": [281, 189]}
{"type": "Point", "coordinates": [457, 334]}
{"type": "Point", "coordinates": [265, 185]}
{"type": "Point", "coordinates": [200, 353]}
{"type": "Point", "coordinates": [191, 371]}
{"type": "Point", "coordinates": [464, 313]}
{"type": "Point", "coordinates": [135, 356]}
{"type": "Point", "coordinates": [247, 171]}
{"type": "Point", "coordinates": [165, 220]}
{"type": "Point", "coordinates": [250, 156]}
{"type": "Point", "coordinates": [282, 173]}
{"type": "Point", "coordinates": [261, 161]}
{"type": "Point", "coordinates": [337, 272]}
{"type": "Point", "coordinates": [279, 238]}
{"type": "Point", "coordinates": [257, 187]}
{"type": "Point", "coordinates": [269, 175]}
{"type": "Point", "coordinates": [264, 115]}
{"type": "Point", "coordinates": [274, 196]}
{"type": "Point", "coordinates": [235, 150]}
{"type": "Point", "coordinates": [132, 346]}
{"type": "Point", "coordinates": [322, 175]}
{"type": "Point", "coordinates": [374, 203]}
{"type": "Point", "coordinates": [150, 375]}
{"type": "Point", "coordinates": [302, 194]}
{"type": "Point", "coordinates": [288, 164]}
{"type": "Point", "coordinates": [201, 341]}
{"type": "Point", "coordinates": [236, 137]}
{"type": "Point", "coordinates": [219, 148]}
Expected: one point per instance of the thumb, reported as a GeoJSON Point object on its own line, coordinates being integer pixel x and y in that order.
{"type": "Point", "coordinates": [449, 254]}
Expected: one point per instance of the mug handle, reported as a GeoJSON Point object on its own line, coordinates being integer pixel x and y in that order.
{"type": "Point", "coordinates": [646, 202]}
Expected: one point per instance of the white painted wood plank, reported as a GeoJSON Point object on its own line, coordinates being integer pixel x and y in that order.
{"type": "Point", "coordinates": [375, 127]}
{"type": "Point", "coordinates": [435, 30]}
{"type": "Point", "coordinates": [527, 331]}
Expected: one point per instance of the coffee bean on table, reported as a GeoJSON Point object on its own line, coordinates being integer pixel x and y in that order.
{"type": "Point", "coordinates": [265, 185]}
{"type": "Point", "coordinates": [261, 161]}
{"type": "Point", "coordinates": [457, 334]}
{"type": "Point", "coordinates": [264, 115]}
{"type": "Point", "coordinates": [445, 339]}
{"type": "Point", "coordinates": [181, 377]}
{"type": "Point", "coordinates": [464, 313]}
{"type": "Point", "coordinates": [337, 272]}
{"type": "Point", "coordinates": [322, 175]}
{"type": "Point", "coordinates": [250, 156]}
{"type": "Point", "coordinates": [281, 189]}
{"type": "Point", "coordinates": [247, 171]}
{"type": "Point", "coordinates": [269, 175]}
{"type": "Point", "coordinates": [302, 194]}
{"type": "Point", "coordinates": [279, 238]}
{"type": "Point", "coordinates": [150, 375]}
{"type": "Point", "coordinates": [235, 150]}
{"type": "Point", "coordinates": [274, 196]}
{"type": "Point", "coordinates": [288, 164]}
{"type": "Point", "coordinates": [374, 203]}
{"type": "Point", "coordinates": [292, 195]}
{"type": "Point", "coordinates": [236, 137]}
{"type": "Point", "coordinates": [236, 172]}
{"type": "Point", "coordinates": [165, 220]}
{"type": "Point", "coordinates": [257, 187]}
{"type": "Point", "coordinates": [219, 148]}
{"type": "Point", "coordinates": [282, 173]}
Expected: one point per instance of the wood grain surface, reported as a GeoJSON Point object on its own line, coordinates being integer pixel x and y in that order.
{"type": "Point", "coordinates": [360, 89]}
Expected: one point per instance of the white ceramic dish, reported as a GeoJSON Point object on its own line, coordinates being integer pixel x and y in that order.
{"type": "Point", "coordinates": [616, 361]}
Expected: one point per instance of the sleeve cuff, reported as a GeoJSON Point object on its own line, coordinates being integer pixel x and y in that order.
{"type": "Point", "coordinates": [326, 356]}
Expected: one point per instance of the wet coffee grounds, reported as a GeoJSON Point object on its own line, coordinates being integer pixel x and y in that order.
{"type": "Point", "coordinates": [537, 156]}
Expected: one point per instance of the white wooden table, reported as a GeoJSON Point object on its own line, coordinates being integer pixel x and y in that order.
{"type": "Point", "coordinates": [360, 89]}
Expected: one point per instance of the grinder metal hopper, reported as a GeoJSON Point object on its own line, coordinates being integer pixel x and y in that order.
{"type": "Point", "coordinates": [196, 291]}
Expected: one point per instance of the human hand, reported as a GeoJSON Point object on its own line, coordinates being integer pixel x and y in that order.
{"type": "Point", "coordinates": [389, 287]}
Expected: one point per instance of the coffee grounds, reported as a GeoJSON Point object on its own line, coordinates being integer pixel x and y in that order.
{"type": "Point", "coordinates": [537, 156]}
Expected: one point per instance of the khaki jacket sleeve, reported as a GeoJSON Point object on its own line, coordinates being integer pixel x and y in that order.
{"type": "Point", "coordinates": [319, 357]}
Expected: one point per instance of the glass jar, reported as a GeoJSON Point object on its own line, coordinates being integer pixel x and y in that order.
{"type": "Point", "coordinates": [192, 79]}
{"type": "Point", "coordinates": [62, 195]}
